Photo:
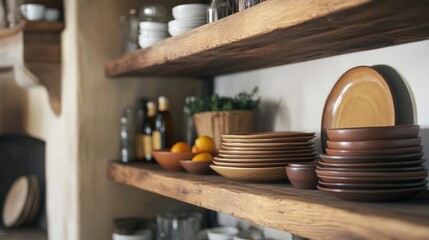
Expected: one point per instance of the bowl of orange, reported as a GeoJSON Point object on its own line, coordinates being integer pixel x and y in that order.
{"type": "Point", "coordinates": [199, 164]}
{"type": "Point", "coordinates": [170, 158]}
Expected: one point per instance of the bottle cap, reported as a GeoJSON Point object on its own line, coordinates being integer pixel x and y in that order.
{"type": "Point", "coordinates": [151, 108]}
{"type": "Point", "coordinates": [163, 103]}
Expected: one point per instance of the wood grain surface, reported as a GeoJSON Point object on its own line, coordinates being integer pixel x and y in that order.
{"type": "Point", "coordinates": [278, 32]}
{"type": "Point", "coordinates": [308, 213]}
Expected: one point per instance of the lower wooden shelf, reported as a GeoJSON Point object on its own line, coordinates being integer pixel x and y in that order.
{"type": "Point", "coordinates": [308, 213]}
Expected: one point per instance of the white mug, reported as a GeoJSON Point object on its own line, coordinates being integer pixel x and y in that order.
{"type": "Point", "coordinates": [33, 12]}
{"type": "Point", "coordinates": [52, 15]}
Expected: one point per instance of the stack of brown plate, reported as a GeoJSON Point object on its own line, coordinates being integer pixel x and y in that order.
{"type": "Point", "coordinates": [262, 156]}
{"type": "Point", "coordinates": [22, 201]}
{"type": "Point", "coordinates": [373, 163]}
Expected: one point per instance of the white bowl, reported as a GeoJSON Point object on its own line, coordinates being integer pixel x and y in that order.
{"type": "Point", "coordinates": [177, 31]}
{"type": "Point", "coordinates": [147, 42]}
{"type": "Point", "coordinates": [185, 24]}
{"type": "Point", "coordinates": [190, 11]}
{"type": "Point", "coordinates": [222, 233]}
{"type": "Point", "coordinates": [154, 26]}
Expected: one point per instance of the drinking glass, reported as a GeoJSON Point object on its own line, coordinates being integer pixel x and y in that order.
{"type": "Point", "coordinates": [178, 226]}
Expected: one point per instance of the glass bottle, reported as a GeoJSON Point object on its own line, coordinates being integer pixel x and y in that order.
{"type": "Point", "coordinates": [127, 135]}
{"type": "Point", "coordinates": [162, 136]}
{"type": "Point", "coordinates": [141, 111]}
{"type": "Point", "coordinates": [148, 128]}
{"type": "Point", "coordinates": [218, 9]}
{"type": "Point", "coordinates": [190, 131]}
{"type": "Point", "coordinates": [251, 3]}
{"type": "Point", "coordinates": [130, 31]}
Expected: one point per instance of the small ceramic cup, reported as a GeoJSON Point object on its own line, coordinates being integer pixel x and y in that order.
{"type": "Point", "coordinates": [33, 12]}
{"type": "Point", "coordinates": [52, 15]}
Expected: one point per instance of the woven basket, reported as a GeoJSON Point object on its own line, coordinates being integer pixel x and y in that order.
{"type": "Point", "coordinates": [215, 124]}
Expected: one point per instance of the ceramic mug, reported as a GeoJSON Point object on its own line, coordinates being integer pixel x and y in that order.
{"type": "Point", "coordinates": [33, 12]}
{"type": "Point", "coordinates": [52, 15]}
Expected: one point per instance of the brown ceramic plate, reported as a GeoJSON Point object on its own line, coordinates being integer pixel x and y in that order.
{"type": "Point", "coordinates": [373, 133]}
{"type": "Point", "coordinates": [351, 173]}
{"type": "Point", "coordinates": [374, 195]}
{"type": "Point", "coordinates": [169, 160]}
{"type": "Point", "coordinates": [254, 156]}
{"type": "Point", "coordinates": [252, 174]}
{"type": "Point", "coordinates": [15, 201]}
{"type": "Point", "coordinates": [360, 98]}
{"type": "Point", "coordinates": [251, 165]}
{"type": "Point", "coordinates": [374, 144]}
{"type": "Point", "coordinates": [281, 148]}
{"type": "Point", "coordinates": [286, 144]}
{"type": "Point", "coordinates": [374, 165]}
{"type": "Point", "coordinates": [395, 169]}
{"type": "Point", "coordinates": [262, 152]}
{"type": "Point", "coordinates": [265, 160]}
{"type": "Point", "coordinates": [197, 167]}
{"type": "Point", "coordinates": [268, 140]}
{"type": "Point", "coordinates": [268, 135]}
{"type": "Point", "coordinates": [334, 179]}
{"type": "Point", "coordinates": [369, 186]}
{"type": "Point", "coordinates": [374, 152]}
{"type": "Point", "coordinates": [370, 159]}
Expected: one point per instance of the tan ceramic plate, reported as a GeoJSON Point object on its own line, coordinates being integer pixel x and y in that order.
{"type": "Point", "coordinates": [15, 202]}
{"type": "Point", "coordinates": [251, 165]}
{"type": "Point", "coordinates": [269, 135]}
{"type": "Point", "coordinates": [375, 152]}
{"type": "Point", "coordinates": [262, 152]}
{"type": "Point", "coordinates": [254, 156]}
{"type": "Point", "coordinates": [281, 148]}
{"type": "Point", "coordinates": [268, 140]}
{"type": "Point", "coordinates": [375, 165]}
{"type": "Point", "coordinates": [360, 98]}
{"type": "Point", "coordinates": [286, 144]}
{"type": "Point", "coordinates": [373, 144]}
{"type": "Point", "coordinates": [265, 160]}
{"type": "Point", "coordinates": [268, 174]}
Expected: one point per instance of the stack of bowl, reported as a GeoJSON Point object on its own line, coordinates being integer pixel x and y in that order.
{"type": "Point", "coordinates": [187, 17]}
{"type": "Point", "coordinates": [373, 163]}
{"type": "Point", "coordinates": [262, 156]}
{"type": "Point", "coordinates": [151, 33]}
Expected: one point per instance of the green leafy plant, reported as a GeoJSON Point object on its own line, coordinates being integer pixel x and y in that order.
{"type": "Point", "coordinates": [242, 101]}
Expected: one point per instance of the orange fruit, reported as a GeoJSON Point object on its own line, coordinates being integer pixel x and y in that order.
{"type": "Point", "coordinates": [202, 157]}
{"type": "Point", "coordinates": [205, 144]}
{"type": "Point", "coordinates": [194, 149]}
{"type": "Point", "coordinates": [180, 147]}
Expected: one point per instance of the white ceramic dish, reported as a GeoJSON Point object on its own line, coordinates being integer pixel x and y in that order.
{"type": "Point", "coordinates": [154, 26]}
{"type": "Point", "coordinates": [185, 24]}
{"type": "Point", "coordinates": [149, 33]}
{"type": "Point", "coordinates": [222, 233]}
{"type": "Point", "coordinates": [177, 31]}
{"type": "Point", "coordinates": [190, 11]}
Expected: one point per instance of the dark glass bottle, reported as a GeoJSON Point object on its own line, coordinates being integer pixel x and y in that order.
{"type": "Point", "coordinates": [162, 136]}
{"type": "Point", "coordinates": [148, 128]}
{"type": "Point", "coordinates": [141, 112]}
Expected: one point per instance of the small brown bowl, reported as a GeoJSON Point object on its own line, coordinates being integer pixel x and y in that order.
{"type": "Point", "coordinates": [302, 177]}
{"type": "Point", "coordinates": [169, 160]}
{"type": "Point", "coordinates": [197, 167]}
{"type": "Point", "coordinates": [375, 152]}
{"type": "Point", "coordinates": [373, 133]}
{"type": "Point", "coordinates": [373, 144]}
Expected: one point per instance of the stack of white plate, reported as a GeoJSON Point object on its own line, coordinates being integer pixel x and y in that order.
{"type": "Point", "coordinates": [151, 33]}
{"type": "Point", "coordinates": [187, 17]}
{"type": "Point", "coordinates": [22, 202]}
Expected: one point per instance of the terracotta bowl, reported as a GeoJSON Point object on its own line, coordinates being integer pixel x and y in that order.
{"type": "Point", "coordinates": [302, 177]}
{"type": "Point", "coordinates": [373, 133]}
{"type": "Point", "coordinates": [169, 160]}
{"type": "Point", "coordinates": [374, 144]}
{"type": "Point", "coordinates": [199, 167]}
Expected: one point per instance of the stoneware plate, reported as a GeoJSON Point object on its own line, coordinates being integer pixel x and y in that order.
{"type": "Point", "coordinates": [334, 179]}
{"type": "Point", "coordinates": [281, 148]}
{"type": "Point", "coordinates": [351, 173]}
{"type": "Point", "coordinates": [374, 165]}
{"type": "Point", "coordinates": [373, 133]}
{"type": "Point", "coordinates": [370, 159]}
{"type": "Point", "coordinates": [374, 144]}
{"type": "Point", "coordinates": [374, 195]}
{"type": "Point", "coordinates": [251, 165]}
{"type": "Point", "coordinates": [268, 140]}
{"type": "Point", "coordinates": [286, 144]}
{"type": "Point", "coordinates": [374, 152]}
{"type": "Point", "coordinates": [395, 169]}
{"type": "Point", "coordinates": [369, 186]}
{"type": "Point", "coordinates": [15, 201]}
{"type": "Point", "coordinates": [252, 174]}
{"type": "Point", "coordinates": [269, 135]}
{"type": "Point", "coordinates": [266, 160]}
{"type": "Point", "coordinates": [254, 156]}
{"type": "Point", "coordinates": [263, 152]}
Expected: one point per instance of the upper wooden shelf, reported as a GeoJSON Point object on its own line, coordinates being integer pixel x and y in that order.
{"type": "Point", "coordinates": [308, 213]}
{"type": "Point", "coordinates": [44, 26]}
{"type": "Point", "coordinates": [278, 32]}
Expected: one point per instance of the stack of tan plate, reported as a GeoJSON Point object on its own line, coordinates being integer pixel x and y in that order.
{"type": "Point", "coordinates": [262, 156]}
{"type": "Point", "coordinates": [373, 163]}
{"type": "Point", "coordinates": [22, 201]}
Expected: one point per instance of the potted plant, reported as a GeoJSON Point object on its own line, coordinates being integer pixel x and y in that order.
{"type": "Point", "coordinates": [217, 115]}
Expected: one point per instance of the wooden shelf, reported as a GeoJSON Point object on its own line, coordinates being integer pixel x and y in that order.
{"type": "Point", "coordinates": [43, 26]}
{"type": "Point", "coordinates": [278, 32]}
{"type": "Point", "coordinates": [308, 213]}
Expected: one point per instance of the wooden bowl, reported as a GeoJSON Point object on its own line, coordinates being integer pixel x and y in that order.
{"type": "Point", "coordinates": [373, 133]}
{"type": "Point", "coordinates": [169, 160]}
{"type": "Point", "coordinates": [197, 167]}
{"type": "Point", "coordinates": [302, 177]}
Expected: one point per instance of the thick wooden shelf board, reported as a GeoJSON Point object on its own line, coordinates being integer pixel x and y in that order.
{"type": "Point", "coordinates": [44, 26]}
{"type": "Point", "coordinates": [308, 213]}
{"type": "Point", "coordinates": [278, 32]}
